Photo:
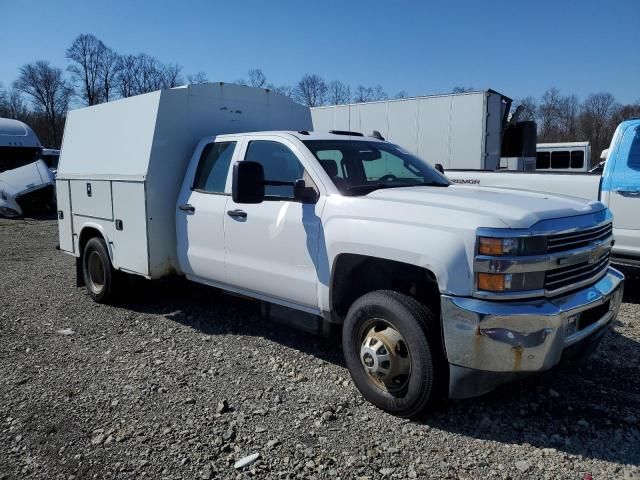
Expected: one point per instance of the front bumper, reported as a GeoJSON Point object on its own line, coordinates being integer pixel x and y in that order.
{"type": "Point", "coordinates": [490, 342]}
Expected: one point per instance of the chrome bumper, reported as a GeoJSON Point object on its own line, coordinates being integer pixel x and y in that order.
{"type": "Point", "coordinates": [490, 342]}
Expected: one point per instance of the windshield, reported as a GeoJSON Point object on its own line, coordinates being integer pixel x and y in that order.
{"type": "Point", "coordinates": [358, 167]}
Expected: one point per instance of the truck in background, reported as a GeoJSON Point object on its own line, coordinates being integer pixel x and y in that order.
{"type": "Point", "coordinates": [458, 130]}
{"type": "Point", "coordinates": [563, 157]}
{"type": "Point", "coordinates": [441, 290]}
{"type": "Point", "coordinates": [25, 180]}
{"type": "Point", "coordinates": [618, 187]}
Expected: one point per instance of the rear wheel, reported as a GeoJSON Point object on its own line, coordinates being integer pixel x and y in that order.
{"type": "Point", "coordinates": [393, 350]}
{"type": "Point", "coordinates": [99, 275]}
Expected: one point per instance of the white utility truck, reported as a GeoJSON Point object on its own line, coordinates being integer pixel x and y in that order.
{"type": "Point", "coordinates": [25, 181]}
{"type": "Point", "coordinates": [617, 185]}
{"type": "Point", "coordinates": [440, 289]}
{"type": "Point", "coordinates": [456, 130]}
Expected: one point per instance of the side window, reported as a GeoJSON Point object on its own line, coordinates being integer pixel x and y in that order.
{"type": "Point", "coordinates": [213, 167]}
{"type": "Point", "coordinates": [634, 152]}
{"type": "Point", "coordinates": [560, 159]}
{"type": "Point", "coordinates": [577, 159]}
{"type": "Point", "coordinates": [543, 160]}
{"type": "Point", "coordinates": [280, 164]}
{"type": "Point", "coordinates": [331, 161]}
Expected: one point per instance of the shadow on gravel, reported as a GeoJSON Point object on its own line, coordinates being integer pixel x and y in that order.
{"type": "Point", "coordinates": [591, 410]}
{"type": "Point", "coordinates": [214, 312]}
{"type": "Point", "coordinates": [631, 285]}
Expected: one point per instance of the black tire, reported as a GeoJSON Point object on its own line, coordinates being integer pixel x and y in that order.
{"type": "Point", "coordinates": [99, 275]}
{"type": "Point", "coordinates": [427, 382]}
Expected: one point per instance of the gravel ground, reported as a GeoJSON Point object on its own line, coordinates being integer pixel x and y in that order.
{"type": "Point", "coordinates": [185, 381]}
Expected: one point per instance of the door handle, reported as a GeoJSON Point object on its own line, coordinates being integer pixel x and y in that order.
{"type": "Point", "coordinates": [187, 207]}
{"type": "Point", "coordinates": [624, 191]}
{"type": "Point", "coordinates": [237, 213]}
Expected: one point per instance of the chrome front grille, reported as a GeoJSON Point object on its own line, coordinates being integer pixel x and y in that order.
{"type": "Point", "coordinates": [590, 265]}
{"type": "Point", "coordinates": [576, 275]}
{"type": "Point", "coordinates": [581, 238]}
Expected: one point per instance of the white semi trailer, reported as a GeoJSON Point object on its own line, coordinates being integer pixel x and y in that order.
{"type": "Point", "coordinates": [460, 130]}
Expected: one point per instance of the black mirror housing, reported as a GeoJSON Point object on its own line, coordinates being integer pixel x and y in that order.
{"type": "Point", "coordinates": [440, 168]}
{"type": "Point", "coordinates": [248, 182]}
{"type": "Point", "coordinates": [303, 193]}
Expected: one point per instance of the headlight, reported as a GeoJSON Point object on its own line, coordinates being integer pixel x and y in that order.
{"type": "Point", "coordinates": [510, 282]}
{"type": "Point", "coordinates": [512, 246]}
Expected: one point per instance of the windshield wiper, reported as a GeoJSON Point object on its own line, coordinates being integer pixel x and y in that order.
{"type": "Point", "coordinates": [370, 187]}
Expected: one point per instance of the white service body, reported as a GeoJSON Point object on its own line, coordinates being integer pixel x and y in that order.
{"type": "Point", "coordinates": [134, 178]}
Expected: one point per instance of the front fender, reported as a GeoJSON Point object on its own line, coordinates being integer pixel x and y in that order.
{"type": "Point", "coordinates": [442, 251]}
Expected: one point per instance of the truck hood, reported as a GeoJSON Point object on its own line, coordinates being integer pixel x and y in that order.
{"type": "Point", "coordinates": [516, 209]}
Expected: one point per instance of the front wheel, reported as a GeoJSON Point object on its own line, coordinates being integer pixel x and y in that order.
{"type": "Point", "coordinates": [394, 352]}
{"type": "Point", "coordinates": [99, 275]}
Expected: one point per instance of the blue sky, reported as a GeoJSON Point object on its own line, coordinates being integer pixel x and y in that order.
{"type": "Point", "coordinates": [516, 47]}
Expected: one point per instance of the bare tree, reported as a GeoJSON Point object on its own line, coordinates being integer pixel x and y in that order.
{"type": "Point", "coordinates": [143, 74]}
{"type": "Point", "coordinates": [625, 112]}
{"type": "Point", "coordinates": [285, 90]}
{"type": "Point", "coordinates": [529, 108]}
{"type": "Point", "coordinates": [311, 90]}
{"type": "Point", "coordinates": [401, 94]}
{"type": "Point", "coordinates": [108, 73]}
{"type": "Point", "coordinates": [199, 77]}
{"type": "Point", "coordinates": [171, 75]}
{"type": "Point", "coordinates": [49, 92]}
{"type": "Point", "coordinates": [596, 119]}
{"type": "Point", "coordinates": [338, 93]}
{"type": "Point", "coordinates": [369, 94]}
{"type": "Point", "coordinates": [125, 76]}
{"type": "Point", "coordinates": [569, 112]}
{"type": "Point", "coordinates": [257, 78]}
{"type": "Point", "coordinates": [459, 89]}
{"type": "Point", "coordinates": [550, 116]}
{"type": "Point", "coordinates": [16, 107]}
{"type": "Point", "coordinates": [85, 53]}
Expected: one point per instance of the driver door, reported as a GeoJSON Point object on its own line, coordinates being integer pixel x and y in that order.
{"type": "Point", "coordinates": [272, 247]}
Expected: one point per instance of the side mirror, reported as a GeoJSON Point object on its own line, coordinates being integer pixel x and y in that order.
{"type": "Point", "coordinates": [248, 182]}
{"type": "Point", "coordinates": [303, 193]}
{"type": "Point", "coordinates": [440, 168]}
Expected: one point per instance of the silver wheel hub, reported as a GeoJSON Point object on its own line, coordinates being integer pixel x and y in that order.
{"type": "Point", "coordinates": [385, 357]}
{"type": "Point", "coordinates": [96, 272]}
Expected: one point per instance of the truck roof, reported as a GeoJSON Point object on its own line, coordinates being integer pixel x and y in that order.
{"type": "Point", "coordinates": [304, 135]}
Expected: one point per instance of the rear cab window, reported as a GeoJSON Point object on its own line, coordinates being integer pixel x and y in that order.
{"type": "Point", "coordinates": [213, 167]}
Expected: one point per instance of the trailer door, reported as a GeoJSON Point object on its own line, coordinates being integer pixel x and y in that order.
{"type": "Point", "coordinates": [65, 226]}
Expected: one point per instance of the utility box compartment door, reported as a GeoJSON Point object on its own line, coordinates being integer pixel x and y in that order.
{"type": "Point", "coordinates": [92, 198]}
{"type": "Point", "coordinates": [65, 226]}
{"type": "Point", "coordinates": [130, 227]}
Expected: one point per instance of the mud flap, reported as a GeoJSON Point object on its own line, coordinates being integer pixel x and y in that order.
{"type": "Point", "coordinates": [79, 273]}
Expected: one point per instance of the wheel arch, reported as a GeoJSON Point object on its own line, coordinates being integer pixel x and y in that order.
{"type": "Point", "coordinates": [354, 275]}
{"type": "Point", "coordinates": [90, 230]}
